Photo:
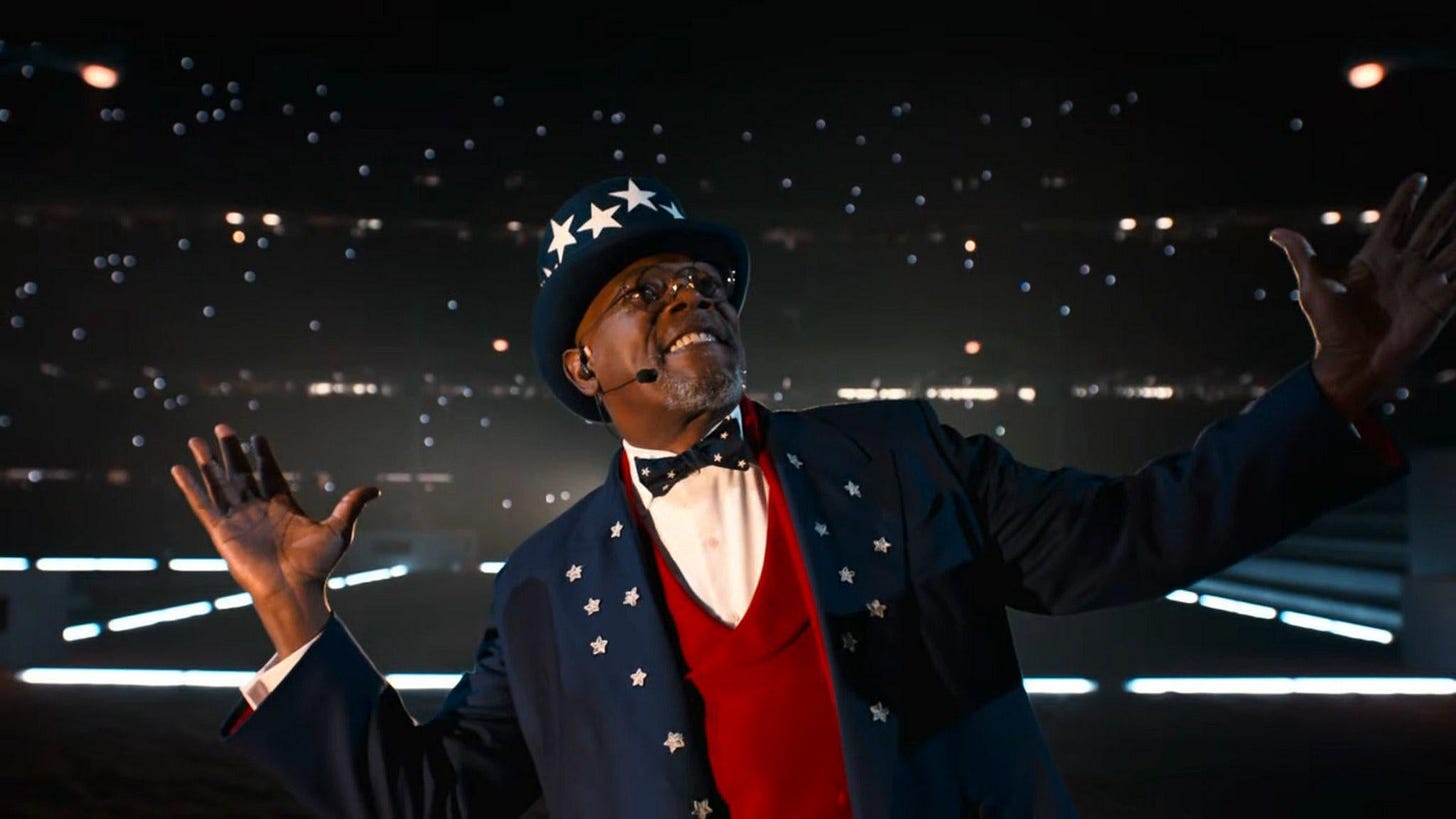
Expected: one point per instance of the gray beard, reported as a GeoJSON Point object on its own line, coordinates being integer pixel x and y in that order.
{"type": "Point", "coordinates": [703, 391]}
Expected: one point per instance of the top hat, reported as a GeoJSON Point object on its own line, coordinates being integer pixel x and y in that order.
{"type": "Point", "coordinates": [600, 230]}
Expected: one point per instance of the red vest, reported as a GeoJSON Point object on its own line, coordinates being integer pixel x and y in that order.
{"type": "Point", "coordinates": [770, 716]}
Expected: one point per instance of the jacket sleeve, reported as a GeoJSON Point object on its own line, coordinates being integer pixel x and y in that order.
{"type": "Point", "coordinates": [337, 735]}
{"type": "Point", "coordinates": [1069, 540]}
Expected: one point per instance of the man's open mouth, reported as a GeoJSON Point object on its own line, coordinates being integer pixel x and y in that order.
{"type": "Point", "coordinates": [691, 340]}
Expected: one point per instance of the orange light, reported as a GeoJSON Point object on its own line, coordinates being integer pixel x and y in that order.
{"type": "Point", "coordinates": [500, 345]}
{"type": "Point", "coordinates": [973, 347]}
{"type": "Point", "coordinates": [1366, 75]}
{"type": "Point", "coordinates": [99, 76]}
{"type": "Point", "coordinates": [239, 237]}
{"type": "Point", "coordinates": [970, 245]}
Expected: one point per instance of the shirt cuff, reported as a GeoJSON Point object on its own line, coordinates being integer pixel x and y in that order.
{"type": "Point", "coordinates": [272, 673]}
{"type": "Point", "coordinates": [1373, 434]}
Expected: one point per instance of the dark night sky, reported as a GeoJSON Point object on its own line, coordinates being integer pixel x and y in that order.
{"type": "Point", "coordinates": [1207, 139]}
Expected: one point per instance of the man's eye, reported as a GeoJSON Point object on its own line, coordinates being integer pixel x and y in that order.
{"type": "Point", "coordinates": [645, 293]}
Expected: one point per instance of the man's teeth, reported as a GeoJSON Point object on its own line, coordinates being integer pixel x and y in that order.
{"type": "Point", "coordinates": [690, 338]}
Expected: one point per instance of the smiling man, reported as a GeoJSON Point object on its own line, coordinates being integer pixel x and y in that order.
{"type": "Point", "coordinates": [690, 345]}
{"type": "Point", "coordinates": [786, 613]}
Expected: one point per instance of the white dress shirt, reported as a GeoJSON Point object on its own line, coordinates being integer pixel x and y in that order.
{"type": "Point", "coordinates": [713, 524]}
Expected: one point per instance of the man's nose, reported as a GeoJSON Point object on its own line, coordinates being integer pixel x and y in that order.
{"type": "Point", "coordinates": [687, 297]}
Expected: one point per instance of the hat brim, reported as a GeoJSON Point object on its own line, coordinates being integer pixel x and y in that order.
{"type": "Point", "coordinates": [565, 296]}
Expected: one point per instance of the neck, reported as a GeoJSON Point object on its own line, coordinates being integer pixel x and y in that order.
{"type": "Point", "coordinates": [670, 431]}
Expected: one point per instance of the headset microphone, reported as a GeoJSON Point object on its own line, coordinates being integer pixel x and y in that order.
{"type": "Point", "coordinates": [643, 376]}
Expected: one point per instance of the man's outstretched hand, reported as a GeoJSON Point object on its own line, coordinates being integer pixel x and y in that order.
{"type": "Point", "coordinates": [274, 551]}
{"type": "Point", "coordinates": [1375, 315]}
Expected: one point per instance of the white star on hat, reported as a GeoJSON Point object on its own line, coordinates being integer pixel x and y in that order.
{"type": "Point", "coordinates": [635, 196]}
{"type": "Point", "coordinates": [561, 237]}
{"type": "Point", "coordinates": [600, 220]}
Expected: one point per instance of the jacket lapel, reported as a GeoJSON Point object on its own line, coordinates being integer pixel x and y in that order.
{"type": "Point", "coordinates": [632, 616]}
{"type": "Point", "coordinates": [845, 505]}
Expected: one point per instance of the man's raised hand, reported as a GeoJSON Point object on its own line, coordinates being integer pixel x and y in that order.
{"type": "Point", "coordinates": [275, 552]}
{"type": "Point", "coordinates": [1376, 314]}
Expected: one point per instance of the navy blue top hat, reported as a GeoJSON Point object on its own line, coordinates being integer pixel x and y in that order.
{"type": "Point", "coordinates": [598, 232]}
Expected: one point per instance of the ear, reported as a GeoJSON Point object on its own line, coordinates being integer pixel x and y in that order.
{"type": "Point", "coordinates": [571, 365]}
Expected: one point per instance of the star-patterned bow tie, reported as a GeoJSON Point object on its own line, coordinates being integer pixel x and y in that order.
{"type": "Point", "coordinates": [723, 446]}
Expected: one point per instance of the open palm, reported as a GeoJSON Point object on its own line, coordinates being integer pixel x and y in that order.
{"type": "Point", "coordinates": [1373, 316]}
{"type": "Point", "coordinates": [256, 525]}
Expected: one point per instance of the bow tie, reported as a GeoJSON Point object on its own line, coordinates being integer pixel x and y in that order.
{"type": "Point", "coordinates": [723, 446]}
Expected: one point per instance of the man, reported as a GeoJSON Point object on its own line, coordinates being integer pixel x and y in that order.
{"type": "Point", "coordinates": [786, 613]}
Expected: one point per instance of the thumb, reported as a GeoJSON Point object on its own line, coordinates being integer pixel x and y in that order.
{"type": "Point", "coordinates": [1297, 248]}
{"type": "Point", "coordinates": [1307, 268]}
{"type": "Point", "coordinates": [347, 511]}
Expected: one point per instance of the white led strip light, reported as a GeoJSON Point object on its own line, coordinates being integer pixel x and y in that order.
{"type": "Point", "coordinates": [84, 631]}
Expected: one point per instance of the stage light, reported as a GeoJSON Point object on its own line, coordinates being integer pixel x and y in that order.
{"type": "Point", "coordinates": [1164, 222]}
{"type": "Point", "coordinates": [1330, 217]}
{"type": "Point", "coordinates": [1369, 217]}
{"type": "Point", "coordinates": [1366, 75]}
{"type": "Point", "coordinates": [1440, 686]}
{"type": "Point", "coordinates": [970, 245]}
{"type": "Point", "coordinates": [85, 631]}
{"type": "Point", "coordinates": [973, 347]}
{"type": "Point", "coordinates": [99, 76]}
{"type": "Point", "coordinates": [1058, 685]}
{"type": "Point", "coordinates": [1127, 223]}
{"type": "Point", "coordinates": [234, 218]}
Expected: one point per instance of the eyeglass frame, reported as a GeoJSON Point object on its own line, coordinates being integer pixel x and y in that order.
{"type": "Point", "coordinates": [728, 285]}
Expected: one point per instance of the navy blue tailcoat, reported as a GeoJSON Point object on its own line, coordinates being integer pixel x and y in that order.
{"type": "Point", "coordinates": [932, 713]}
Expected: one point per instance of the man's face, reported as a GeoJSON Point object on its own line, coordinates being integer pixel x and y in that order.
{"type": "Point", "coordinates": [625, 330]}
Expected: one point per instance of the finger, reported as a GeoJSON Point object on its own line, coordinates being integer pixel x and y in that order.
{"type": "Point", "coordinates": [202, 506]}
{"type": "Point", "coordinates": [203, 456]}
{"type": "Point", "coordinates": [347, 511]}
{"type": "Point", "coordinates": [235, 462]}
{"type": "Point", "coordinates": [230, 496]}
{"type": "Point", "coordinates": [273, 479]}
{"type": "Point", "coordinates": [1435, 224]}
{"type": "Point", "coordinates": [1445, 262]}
{"type": "Point", "coordinates": [1394, 219]}
{"type": "Point", "coordinates": [1297, 248]}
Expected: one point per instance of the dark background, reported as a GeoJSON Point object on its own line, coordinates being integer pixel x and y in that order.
{"type": "Point", "coordinates": [1202, 131]}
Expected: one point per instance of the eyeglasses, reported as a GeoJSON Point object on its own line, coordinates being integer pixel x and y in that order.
{"type": "Point", "coordinates": [656, 285]}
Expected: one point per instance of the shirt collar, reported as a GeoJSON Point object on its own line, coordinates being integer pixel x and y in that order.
{"type": "Point", "coordinates": [642, 452]}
